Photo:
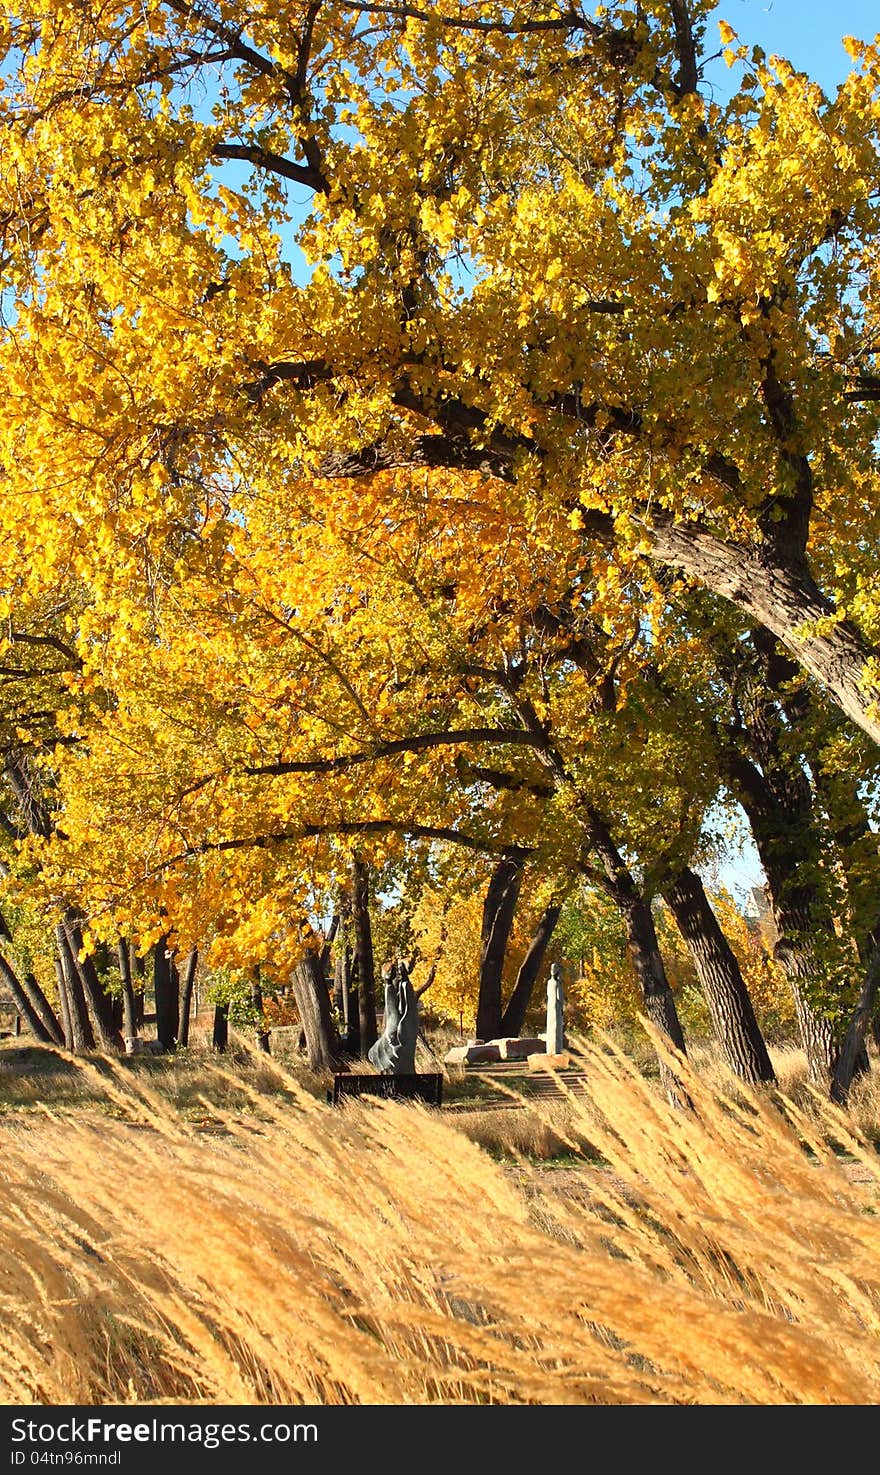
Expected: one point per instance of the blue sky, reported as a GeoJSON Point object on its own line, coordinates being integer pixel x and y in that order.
{"type": "Point", "coordinates": [806, 32]}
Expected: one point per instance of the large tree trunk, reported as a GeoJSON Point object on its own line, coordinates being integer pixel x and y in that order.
{"type": "Point", "coordinates": [727, 998]}
{"type": "Point", "coordinates": [313, 1002]}
{"type": "Point", "coordinates": [644, 949]}
{"type": "Point", "coordinates": [64, 1005]}
{"type": "Point", "coordinates": [786, 841]}
{"type": "Point", "coordinates": [27, 1008]}
{"type": "Point", "coordinates": [782, 599]}
{"type": "Point", "coordinates": [499, 906]}
{"type": "Point", "coordinates": [186, 995]}
{"type": "Point", "coordinates": [166, 988]}
{"type": "Point", "coordinates": [81, 1034]}
{"type": "Point", "coordinates": [363, 944]}
{"type": "Point", "coordinates": [513, 1018]}
{"type": "Point", "coordinates": [100, 1004]}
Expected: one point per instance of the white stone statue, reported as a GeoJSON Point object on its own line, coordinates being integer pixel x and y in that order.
{"type": "Point", "coordinates": [555, 1012]}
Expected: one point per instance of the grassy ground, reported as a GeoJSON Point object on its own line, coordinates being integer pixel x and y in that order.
{"type": "Point", "coordinates": [375, 1254]}
{"type": "Point", "coordinates": [501, 1113]}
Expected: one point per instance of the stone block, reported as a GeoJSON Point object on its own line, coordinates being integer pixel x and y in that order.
{"type": "Point", "coordinates": [473, 1054]}
{"type": "Point", "coordinates": [549, 1062]}
{"type": "Point", "coordinates": [518, 1049]}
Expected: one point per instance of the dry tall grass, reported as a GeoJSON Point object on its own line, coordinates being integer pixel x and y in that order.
{"type": "Point", "coordinates": [373, 1254]}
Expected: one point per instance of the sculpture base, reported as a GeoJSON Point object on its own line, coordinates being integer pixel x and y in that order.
{"type": "Point", "coordinates": [420, 1086]}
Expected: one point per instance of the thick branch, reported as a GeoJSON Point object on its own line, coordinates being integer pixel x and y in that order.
{"type": "Point", "coordinates": [444, 833]}
{"type": "Point", "coordinates": [265, 159]}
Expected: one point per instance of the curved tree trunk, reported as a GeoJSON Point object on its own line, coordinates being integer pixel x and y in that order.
{"type": "Point", "coordinates": [26, 1007]}
{"type": "Point", "coordinates": [644, 949]}
{"type": "Point", "coordinates": [727, 998]}
{"type": "Point", "coordinates": [784, 599]}
{"type": "Point", "coordinates": [499, 906]}
{"type": "Point", "coordinates": [848, 1060]}
{"type": "Point", "coordinates": [363, 945]}
{"type": "Point", "coordinates": [513, 1018]}
{"type": "Point", "coordinates": [323, 1049]}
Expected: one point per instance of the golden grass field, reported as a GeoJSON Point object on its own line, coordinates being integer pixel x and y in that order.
{"type": "Point", "coordinates": [273, 1249]}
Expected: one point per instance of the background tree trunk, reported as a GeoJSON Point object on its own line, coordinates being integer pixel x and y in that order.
{"type": "Point", "coordinates": [80, 1024]}
{"type": "Point", "coordinates": [220, 1032]}
{"type": "Point", "coordinates": [366, 969]}
{"type": "Point", "coordinates": [166, 988]}
{"type": "Point", "coordinates": [257, 1002]}
{"type": "Point", "coordinates": [64, 1005]}
{"type": "Point", "coordinates": [138, 982]}
{"type": "Point", "coordinates": [32, 1016]}
{"type": "Point", "coordinates": [724, 989]}
{"type": "Point", "coordinates": [186, 996]}
{"type": "Point", "coordinates": [849, 1057]}
{"type": "Point", "coordinates": [513, 1018]}
{"type": "Point", "coordinates": [323, 1049]}
{"type": "Point", "coordinates": [129, 1016]}
{"type": "Point", "coordinates": [499, 907]}
{"type": "Point", "coordinates": [100, 1004]}
{"type": "Point", "coordinates": [641, 935]}
{"type": "Point", "coordinates": [40, 1003]}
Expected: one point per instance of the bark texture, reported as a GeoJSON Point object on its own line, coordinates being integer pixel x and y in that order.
{"type": "Point", "coordinates": [186, 995]}
{"type": "Point", "coordinates": [81, 1036]}
{"type": "Point", "coordinates": [363, 947]}
{"type": "Point", "coordinates": [312, 995]}
{"type": "Point", "coordinates": [782, 596]}
{"type": "Point", "coordinates": [513, 1018]}
{"type": "Point", "coordinates": [220, 1031]}
{"type": "Point", "coordinates": [166, 989]}
{"type": "Point", "coordinates": [499, 906]}
{"type": "Point", "coordinates": [25, 1004]}
{"type": "Point", "coordinates": [850, 1055]}
{"type": "Point", "coordinates": [727, 998]}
